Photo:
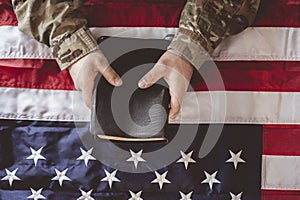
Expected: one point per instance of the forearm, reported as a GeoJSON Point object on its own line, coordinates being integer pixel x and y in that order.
{"type": "Point", "coordinates": [58, 24]}
{"type": "Point", "coordinates": [204, 24]}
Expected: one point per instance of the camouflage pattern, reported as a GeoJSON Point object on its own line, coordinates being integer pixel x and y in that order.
{"type": "Point", "coordinates": [59, 24]}
{"type": "Point", "coordinates": [208, 22]}
{"type": "Point", "coordinates": [203, 26]}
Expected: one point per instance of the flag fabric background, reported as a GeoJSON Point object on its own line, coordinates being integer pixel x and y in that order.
{"type": "Point", "coordinates": [41, 155]}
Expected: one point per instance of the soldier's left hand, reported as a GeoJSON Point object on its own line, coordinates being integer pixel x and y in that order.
{"type": "Point", "coordinates": [177, 72]}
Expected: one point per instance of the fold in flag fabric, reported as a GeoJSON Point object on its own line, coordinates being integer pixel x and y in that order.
{"type": "Point", "coordinates": [43, 120]}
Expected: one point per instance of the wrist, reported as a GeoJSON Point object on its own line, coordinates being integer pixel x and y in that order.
{"type": "Point", "coordinates": [188, 48]}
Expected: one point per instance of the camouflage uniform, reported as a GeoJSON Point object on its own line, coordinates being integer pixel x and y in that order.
{"type": "Point", "coordinates": [203, 25]}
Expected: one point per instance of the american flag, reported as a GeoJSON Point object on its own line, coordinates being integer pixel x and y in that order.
{"type": "Point", "coordinates": [256, 157]}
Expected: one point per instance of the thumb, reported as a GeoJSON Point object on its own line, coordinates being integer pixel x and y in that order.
{"type": "Point", "coordinates": [151, 77]}
{"type": "Point", "coordinates": [111, 76]}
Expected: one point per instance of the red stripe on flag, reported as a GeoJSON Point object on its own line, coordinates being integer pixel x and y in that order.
{"type": "Point", "coordinates": [236, 76]}
{"type": "Point", "coordinates": [279, 13]}
{"type": "Point", "coordinates": [281, 140]}
{"type": "Point", "coordinates": [25, 63]}
{"type": "Point", "coordinates": [134, 13]}
{"type": "Point", "coordinates": [47, 77]}
{"type": "Point", "coordinates": [280, 195]}
{"type": "Point", "coordinates": [251, 76]}
{"type": "Point", "coordinates": [7, 15]}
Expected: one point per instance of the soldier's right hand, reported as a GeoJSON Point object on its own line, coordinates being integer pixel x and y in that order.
{"type": "Point", "coordinates": [85, 70]}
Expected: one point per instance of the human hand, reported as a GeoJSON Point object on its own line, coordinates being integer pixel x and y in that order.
{"type": "Point", "coordinates": [177, 72]}
{"type": "Point", "coordinates": [85, 70]}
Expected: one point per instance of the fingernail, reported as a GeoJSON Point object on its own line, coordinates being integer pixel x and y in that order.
{"type": "Point", "coordinates": [142, 83]}
{"type": "Point", "coordinates": [118, 82]}
{"type": "Point", "coordinates": [173, 116]}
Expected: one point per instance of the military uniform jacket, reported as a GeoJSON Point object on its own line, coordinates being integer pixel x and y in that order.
{"type": "Point", "coordinates": [203, 25]}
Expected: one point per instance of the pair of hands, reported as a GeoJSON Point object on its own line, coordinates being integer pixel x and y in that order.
{"type": "Point", "coordinates": [176, 71]}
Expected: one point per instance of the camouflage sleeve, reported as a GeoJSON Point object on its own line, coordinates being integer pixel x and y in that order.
{"type": "Point", "coordinates": [204, 24]}
{"type": "Point", "coordinates": [58, 24]}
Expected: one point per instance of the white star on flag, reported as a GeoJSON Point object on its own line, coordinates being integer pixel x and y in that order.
{"type": "Point", "coordinates": [11, 176]}
{"type": "Point", "coordinates": [186, 196]}
{"type": "Point", "coordinates": [86, 195]}
{"type": "Point", "coordinates": [236, 197]}
{"type": "Point", "coordinates": [86, 156]}
{"type": "Point", "coordinates": [161, 179]}
{"type": "Point", "coordinates": [61, 176]}
{"type": "Point", "coordinates": [36, 155]}
{"type": "Point", "coordinates": [235, 158]}
{"type": "Point", "coordinates": [36, 195]}
{"type": "Point", "coordinates": [210, 179]}
{"type": "Point", "coordinates": [136, 158]}
{"type": "Point", "coordinates": [186, 159]}
{"type": "Point", "coordinates": [136, 196]}
{"type": "Point", "coordinates": [110, 178]}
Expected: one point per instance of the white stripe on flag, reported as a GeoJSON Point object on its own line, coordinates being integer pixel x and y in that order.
{"type": "Point", "coordinates": [256, 43]}
{"type": "Point", "coordinates": [280, 172]}
{"type": "Point", "coordinates": [39, 104]}
{"type": "Point", "coordinates": [199, 107]}
{"type": "Point", "coordinates": [241, 107]}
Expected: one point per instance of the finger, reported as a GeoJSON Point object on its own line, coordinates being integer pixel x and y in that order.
{"type": "Point", "coordinates": [174, 105]}
{"type": "Point", "coordinates": [177, 87]}
{"type": "Point", "coordinates": [151, 77]}
{"type": "Point", "coordinates": [111, 76]}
